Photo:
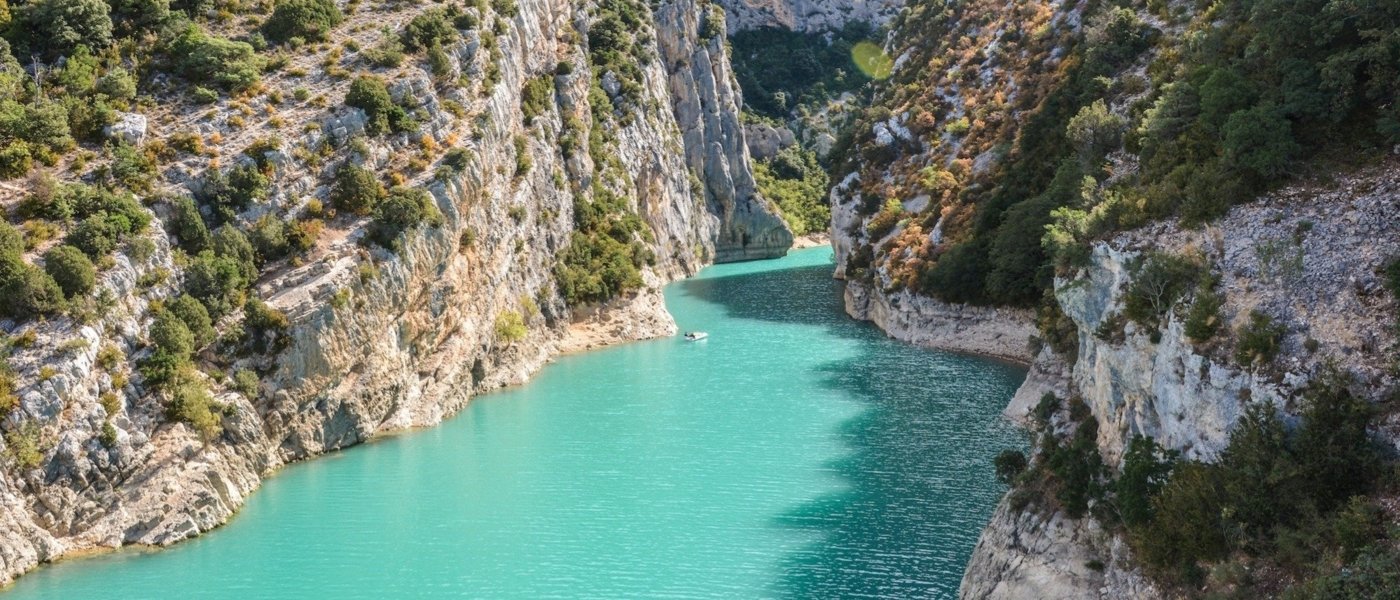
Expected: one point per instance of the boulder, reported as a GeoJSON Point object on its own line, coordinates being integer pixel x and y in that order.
{"type": "Point", "coordinates": [129, 128]}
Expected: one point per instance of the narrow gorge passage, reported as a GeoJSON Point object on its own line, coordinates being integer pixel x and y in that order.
{"type": "Point", "coordinates": [794, 453]}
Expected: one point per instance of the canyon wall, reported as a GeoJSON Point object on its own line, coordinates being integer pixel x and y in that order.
{"type": "Point", "coordinates": [378, 340]}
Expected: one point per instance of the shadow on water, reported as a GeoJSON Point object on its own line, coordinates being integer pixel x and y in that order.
{"type": "Point", "coordinates": [918, 473]}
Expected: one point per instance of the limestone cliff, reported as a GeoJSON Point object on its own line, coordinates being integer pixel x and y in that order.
{"type": "Point", "coordinates": [379, 340]}
{"type": "Point", "coordinates": [813, 16]}
{"type": "Point", "coordinates": [1321, 282]}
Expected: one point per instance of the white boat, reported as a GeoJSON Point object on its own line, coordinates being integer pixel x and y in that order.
{"type": "Point", "coordinates": [696, 336]}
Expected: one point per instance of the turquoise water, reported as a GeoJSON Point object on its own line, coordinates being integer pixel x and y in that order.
{"type": "Point", "coordinates": [793, 454]}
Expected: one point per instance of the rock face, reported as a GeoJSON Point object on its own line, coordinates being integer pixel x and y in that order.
{"type": "Point", "coordinates": [129, 128]}
{"type": "Point", "coordinates": [1026, 554]}
{"type": "Point", "coordinates": [766, 141]}
{"type": "Point", "coordinates": [1307, 256]}
{"type": "Point", "coordinates": [813, 16]}
{"type": "Point", "coordinates": [705, 101]}
{"type": "Point", "coordinates": [920, 320]}
{"type": "Point", "coordinates": [379, 341]}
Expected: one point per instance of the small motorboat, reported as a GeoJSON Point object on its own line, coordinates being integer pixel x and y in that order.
{"type": "Point", "coordinates": [695, 336]}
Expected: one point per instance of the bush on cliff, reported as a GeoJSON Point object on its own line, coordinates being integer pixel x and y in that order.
{"type": "Point", "coordinates": [311, 20]}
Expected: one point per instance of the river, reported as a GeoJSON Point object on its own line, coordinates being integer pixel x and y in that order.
{"type": "Point", "coordinates": [793, 454]}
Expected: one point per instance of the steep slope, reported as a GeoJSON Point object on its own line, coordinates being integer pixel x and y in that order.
{"type": "Point", "coordinates": [361, 334]}
{"type": "Point", "coordinates": [1178, 210]}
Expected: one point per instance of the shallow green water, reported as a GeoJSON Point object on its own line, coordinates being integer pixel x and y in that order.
{"type": "Point", "coordinates": [795, 453]}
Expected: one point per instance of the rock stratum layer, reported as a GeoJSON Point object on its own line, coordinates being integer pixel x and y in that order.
{"type": "Point", "coordinates": [380, 341]}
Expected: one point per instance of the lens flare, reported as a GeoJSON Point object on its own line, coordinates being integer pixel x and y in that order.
{"type": "Point", "coordinates": [871, 60]}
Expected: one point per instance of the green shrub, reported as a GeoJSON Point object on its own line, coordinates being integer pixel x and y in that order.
{"type": "Point", "coordinates": [1159, 280]}
{"type": "Point", "coordinates": [1259, 340]}
{"type": "Point", "coordinates": [108, 437]}
{"type": "Point", "coordinates": [195, 317]}
{"type": "Point", "coordinates": [23, 444]}
{"type": "Point", "coordinates": [26, 291]}
{"type": "Point", "coordinates": [132, 169]}
{"type": "Point", "coordinates": [1391, 277]}
{"type": "Point", "coordinates": [192, 404]}
{"type": "Point", "coordinates": [265, 327]}
{"type": "Point", "coordinates": [311, 20]}
{"type": "Point", "coordinates": [1009, 465]}
{"type": "Point", "coordinates": [71, 270]}
{"type": "Point", "coordinates": [1095, 131]}
{"type": "Point", "coordinates": [1259, 141]}
{"type": "Point", "coordinates": [537, 97]}
{"type": "Point", "coordinates": [382, 116]}
{"type": "Point", "coordinates": [885, 221]}
{"type": "Point", "coordinates": [439, 64]}
{"type": "Point", "coordinates": [229, 241]}
{"type": "Point", "coordinates": [1146, 468]}
{"type": "Point", "coordinates": [456, 160]}
{"type": "Point", "coordinates": [523, 161]}
{"type": "Point", "coordinates": [170, 335]}
{"type": "Point", "coordinates": [57, 27]}
{"type": "Point", "coordinates": [246, 382]}
{"type": "Point", "coordinates": [1203, 320]}
{"type": "Point", "coordinates": [388, 53]}
{"type": "Point", "coordinates": [1187, 524]}
{"type": "Point", "coordinates": [96, 235]}
{"type": "Point", "coordinates": [604, 257]}
{"type": "Point", "coordinates": [355, 190]}
{"type": "Point", "coordinates": [428, 28]}
{"type": "Point", "coordinates": [1077, 467]}
{"type": "Point", "coordinates": [15, 160]}
{"type": "Point", "coordinates": [269, 238]}
{"type": "Point", "coordinates": [402, 209]}
{"type": "Point", "coordinates": [201, 58]}
{"type": "Point", "coordinates": [510, 327]}
{"type": "Point", "coordinates": [231, 193]}
{"type": "Point", "coordinates": [11, 241]}
{"type": "Point", "coordinates": [187, 225]}
{"type": "Point", "coordinates": [217, 281]}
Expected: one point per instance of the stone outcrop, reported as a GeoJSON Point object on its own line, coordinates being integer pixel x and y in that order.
{"type": "Point", "coordinates": [377, 340]}
{"type": "Point", "coordinates": [1307, 255]}
{"type": "Point", "coordinates": [706, 101]}
{"type": "Point", "coordinates": [996, 332]}
{"type": "Point", "coordinates": [815, 16]}
{"type": "Point", "coordinates": [766, 141]}
{"type": "Point", "coordinates": [1027, 554]}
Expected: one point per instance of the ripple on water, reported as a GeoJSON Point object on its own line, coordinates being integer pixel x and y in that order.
{"type": "Point", "coordinates": [795, 454]}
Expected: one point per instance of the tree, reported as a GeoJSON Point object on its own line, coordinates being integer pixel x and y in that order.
{"type": "Point", "coordinates": [170, 335]}
{"type": "Point", "coordinates": [26, 291]}
{"type": "Point", "coordinates": [307, 19]}
{"type": "Point", "coordinates": [195, 317]}
{"type": "Point", "coordinates": [355, 190]}
{"type": "Point", "coordinates": [403, 209]}
{"type": "Point", "coordinates": [382, 116]}
{"type": "Point", "coordinates": [202, 58]}
{"type": "Point", "coordinates": [1186, 525]}
{"type": "Point", "coordinates": [216, 281]}
{"type": "Point", "coordinates": [1259, 475]}
{"type": "Point", "coordinates": [134, 16]}
{"type": "Point", "coordinates": [1009, 465]}
{"type": "Point", "coordinates": [188, 225]}
{"type": "Point", "coordinates": [1259, 141]}
{"type": "Point", "coordinates": [71, 270]}
{"type": "Point", "coordinates": [96, 235]}
{"type": "Point", "coordinates": [1336, 456]}
{"type": "Point", "coordinates": [430, 27]}
{"type": "Point", "coordinates": [1146, 469]}
{"type": "Point", "coordinates": [57, 27]}
{"type": "Point", "coordinates": [1095, 132]}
